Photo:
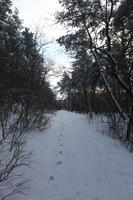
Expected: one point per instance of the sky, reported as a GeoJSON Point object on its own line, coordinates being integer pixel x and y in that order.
{"type": "Point", "coordinates": [42, 13]}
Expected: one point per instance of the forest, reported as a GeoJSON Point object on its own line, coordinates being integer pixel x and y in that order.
{"type": "Point", "coordinates": [101, 41]}
{"type": "Point", "coordinates": [99, 38]}
{"type": "Point", "coordinates": [25, 94]}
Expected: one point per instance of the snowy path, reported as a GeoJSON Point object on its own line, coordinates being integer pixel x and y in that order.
{"type": "Point", "coordinates": [73, 161]}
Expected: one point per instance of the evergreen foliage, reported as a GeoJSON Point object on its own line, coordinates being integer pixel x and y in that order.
{"type": "Point", "coordinates": [25, 96]}
{"type": "Point", "coordinates": [100, 40]}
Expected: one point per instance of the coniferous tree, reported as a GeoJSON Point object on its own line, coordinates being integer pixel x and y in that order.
{"type": "Point", "coordinates": [25, 94]}
{"type": "Point", "coordinates": [96, 29]}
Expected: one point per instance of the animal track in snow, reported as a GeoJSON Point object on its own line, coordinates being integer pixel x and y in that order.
{"type": "Point", "coordinates": [59, 163]}
{"type": "Point", "coordinates": [51, 178]}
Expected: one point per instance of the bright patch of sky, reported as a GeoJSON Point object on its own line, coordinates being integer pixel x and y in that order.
{"type": "Point", "coordinates": [42, 13]}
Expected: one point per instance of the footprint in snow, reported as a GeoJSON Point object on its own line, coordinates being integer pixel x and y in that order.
{"type": "Point", "coordinates": [85, 185]}
{"type": "Point", "coordinates": [51, 178]}
{"type": "Point", "coordinates": [77, 194]}
{"type": "Point", "coordinates": [96, 198]}
{"type": "Point", "coordinates": [59, 163]}
{"type": "Point", "coordinates": [60, 152]}
{"type": "Point", "coordinates": [61, 145]}
{"type": "Point", "coordinates": [99, 180]}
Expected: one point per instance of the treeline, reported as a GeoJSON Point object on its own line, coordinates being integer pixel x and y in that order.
{"type": "Point", "coordinates": [100, 38]}
{"type": "Point", "coordinates": [25, 95]}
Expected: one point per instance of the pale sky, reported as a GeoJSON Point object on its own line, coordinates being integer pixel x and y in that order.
{"type": "Point", "coordinates": [41, 13]}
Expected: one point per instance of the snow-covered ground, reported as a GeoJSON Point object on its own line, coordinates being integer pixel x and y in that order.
{"type": "Point", "coordinates": [74, 161]}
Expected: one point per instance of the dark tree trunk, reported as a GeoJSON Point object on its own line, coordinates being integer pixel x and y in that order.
{"type": "Point", "coordinates": [129, 125]}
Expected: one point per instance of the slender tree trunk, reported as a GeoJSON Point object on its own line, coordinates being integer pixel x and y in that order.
{"type": "Point", "coordinates": [87, 102]}
{"type": "Point", "coordinates": [129, 125]}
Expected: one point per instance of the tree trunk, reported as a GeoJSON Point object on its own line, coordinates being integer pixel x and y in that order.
{"type": "Point", "coordinates": [129, 125]}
